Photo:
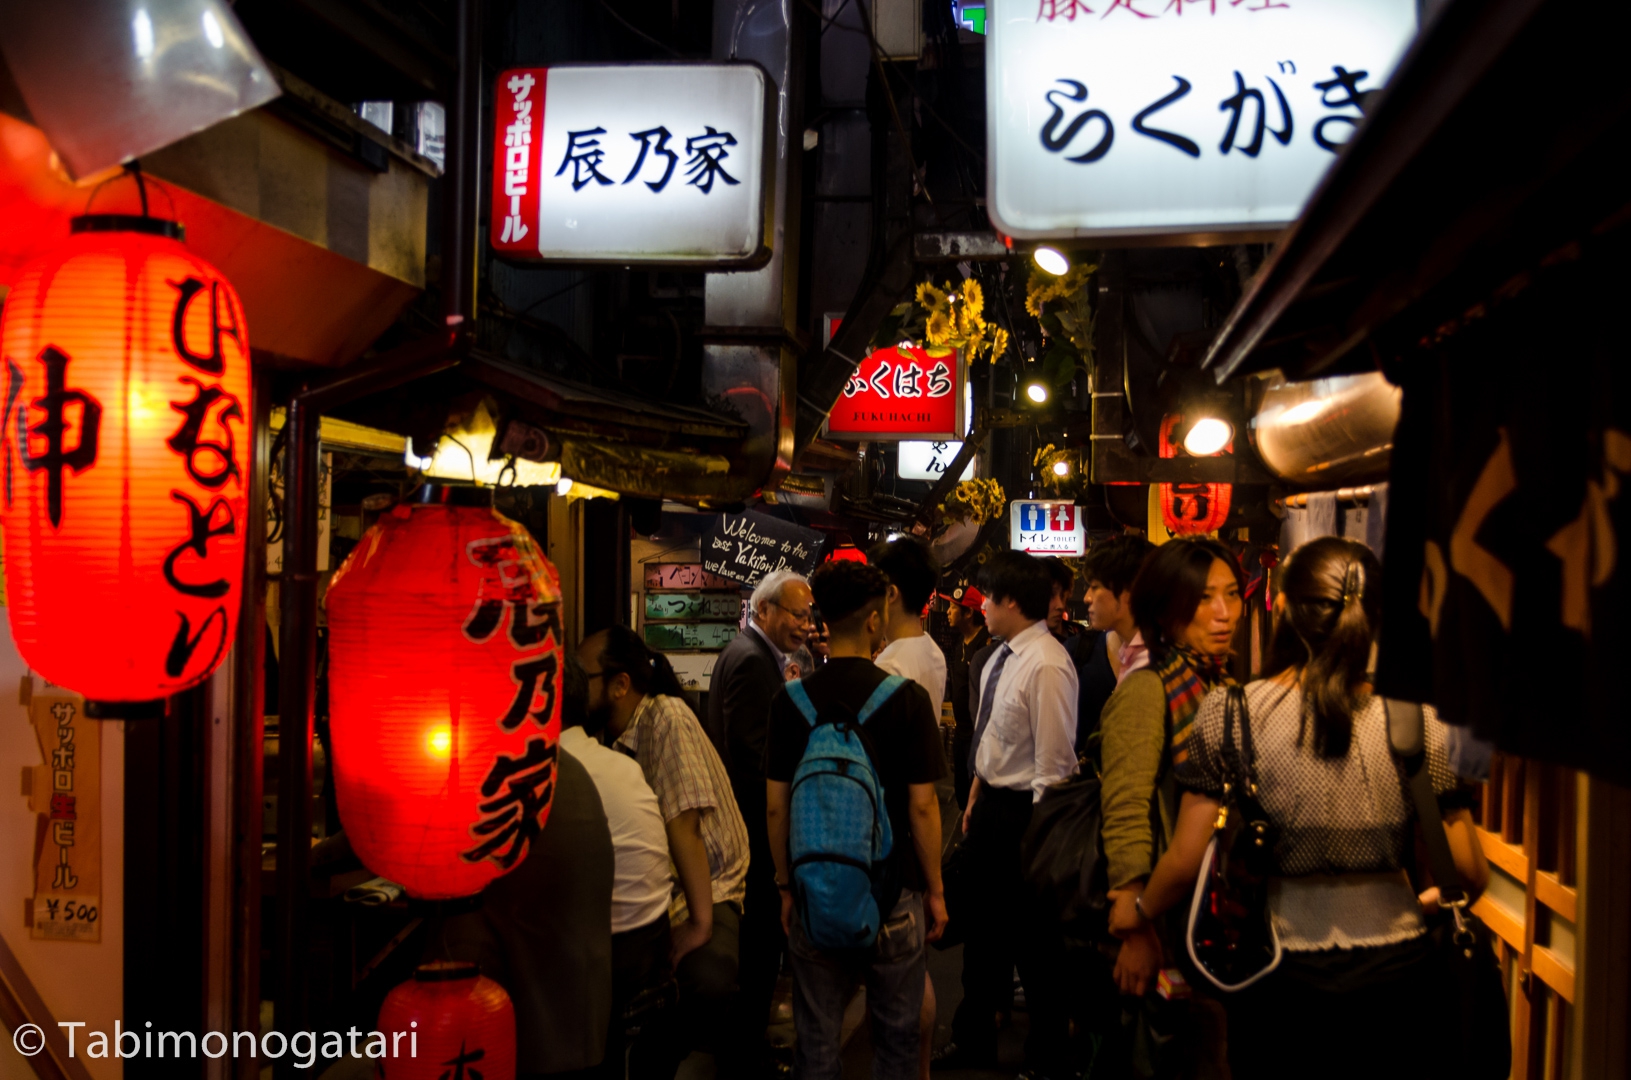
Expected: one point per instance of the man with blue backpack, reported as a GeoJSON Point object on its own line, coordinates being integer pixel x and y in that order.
{"type": "Point", "coordinates": [851, 760]}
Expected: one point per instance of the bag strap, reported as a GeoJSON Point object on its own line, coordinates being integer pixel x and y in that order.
{"type": "Point", "coordinates": [1407, 737]}
{"type": "Point", "coordinates": [883, 693]}
{"type": "Point", "coordinates": [1243, 772]}
{"type": "Point", "coordinates": [801, 700]}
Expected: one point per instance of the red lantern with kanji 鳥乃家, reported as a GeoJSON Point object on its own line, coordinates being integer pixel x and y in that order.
{"type": "Point", "coordinates": [1190, 509]}
{"type": "Point", "coordinates": [125, 475]}
{"type": "Point", "coordinates": [445, 659]}
{"type": "Point", "coordinates": [449, 1020]}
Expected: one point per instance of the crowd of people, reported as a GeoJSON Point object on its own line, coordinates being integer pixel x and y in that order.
{"type": "Point", "coordinates": [797, 827]}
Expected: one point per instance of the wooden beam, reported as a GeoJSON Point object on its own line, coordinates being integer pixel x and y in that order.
{"type": "Point", "coordinates": [1502, 924]}
{"type": "Point", "coordinates": [1554, 971]}
{"type": "Point", "coordinates": [1508, 857]}
{"type": "Point", "coordinates": [1560, 898]}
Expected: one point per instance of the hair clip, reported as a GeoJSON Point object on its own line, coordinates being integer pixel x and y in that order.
{"type": "Point", "coordinates": [1353, 583]}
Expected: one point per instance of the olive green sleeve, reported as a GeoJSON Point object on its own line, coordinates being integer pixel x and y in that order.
{"type": "Point", "coordinates": [1133, 732]}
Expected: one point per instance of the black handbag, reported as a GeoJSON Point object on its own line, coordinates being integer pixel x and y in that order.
{"type": "Point", "coordinates": [1482, 1018]}
{"type": "Point", "coordinates": [1231, 935]}
{"type": "Point", "coordinates": [1061, 856]}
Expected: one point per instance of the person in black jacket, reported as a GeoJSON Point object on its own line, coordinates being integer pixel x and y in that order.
{"type": "Point", "coordinates": [968, 622]}
{"type": "Point", "coordinates": [747, 677]}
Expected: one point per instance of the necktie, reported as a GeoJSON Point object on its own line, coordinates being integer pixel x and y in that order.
{"type": "Point", "coordinates": [988, 697]}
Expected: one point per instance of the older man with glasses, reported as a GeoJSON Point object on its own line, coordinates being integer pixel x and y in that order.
{"type": "Point", "coordinates": [745, 680]}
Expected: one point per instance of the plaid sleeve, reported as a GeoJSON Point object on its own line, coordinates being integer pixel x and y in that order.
{"type": "Point", "coordinates": [679, 771]}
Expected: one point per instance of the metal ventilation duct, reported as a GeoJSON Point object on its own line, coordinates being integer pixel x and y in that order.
{"type": "Point", "coordinates": [1327, 433]}
{"type": "Point", "coordinates": [108, 82]}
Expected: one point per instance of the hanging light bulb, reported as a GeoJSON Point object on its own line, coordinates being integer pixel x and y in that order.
{"type": "Point", "coordinates": [1037, 392]}
{"type": "Point", "coordinates": [1207, 436]}
{"type": "Point", "coordinates": [1061, 468]}
{"type": "Point", "coordinates": [1050, 260]}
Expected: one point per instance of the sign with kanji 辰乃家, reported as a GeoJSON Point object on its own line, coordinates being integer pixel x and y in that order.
{"type": "Point", "coordinates": [66, 793]}
{"type": "Point", "coordinates": [1175, 117]}
{"type": "Point", "coordinates": [902, 392]}
{"type": "Point", "coordinates": [655, 164]}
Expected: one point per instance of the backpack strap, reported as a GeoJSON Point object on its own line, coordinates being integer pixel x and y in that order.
{"type": "Point", "coordinates": [883, 693]}
{"type": "Point", "coordinates": [801, 701]}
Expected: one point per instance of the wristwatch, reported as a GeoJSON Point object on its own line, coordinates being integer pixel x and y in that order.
{"type": "Point", "coordinates": [1138, 906]}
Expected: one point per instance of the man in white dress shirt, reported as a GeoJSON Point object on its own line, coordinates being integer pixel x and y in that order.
{"type": "Point", "coordinates": [641, 880]}
{"type": "Point", "coordinates": [1024, 740]}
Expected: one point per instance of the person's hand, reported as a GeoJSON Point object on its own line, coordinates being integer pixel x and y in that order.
{"type": "Point", "coordinates": [688, 937]}
{"type": "Point", "coordinates": [968, 813]}
{"type": "Point", "coordinates": [1138, 963]}
{"type": "Point", "coordinates": [1430, 904]}
{"type": "Point", "coordinates": [787, 911]}
{"type": "Point", "coordinates": [934, 906]}
{"type": "Point", "coordinates": [1124, 917]}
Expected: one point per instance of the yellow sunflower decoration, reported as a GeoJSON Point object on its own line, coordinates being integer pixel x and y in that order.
{"type": "Point", "coordinates": [944, 318]}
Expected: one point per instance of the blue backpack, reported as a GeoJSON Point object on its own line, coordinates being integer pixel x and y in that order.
{"type": "Point", "coordinates": [839, 836]}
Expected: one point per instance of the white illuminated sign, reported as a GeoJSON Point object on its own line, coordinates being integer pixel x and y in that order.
{"type": "Point", "coordinates": [1046, 528]}
{"type": "Point", "coordinates": [929, 460]}
{"type": "Point", "coordinates": [1148, 117]}
{"type": "Point", "coordinates": [656, 164]}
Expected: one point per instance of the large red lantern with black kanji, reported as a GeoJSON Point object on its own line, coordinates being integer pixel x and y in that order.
{"type": "Point", "coordinates": [125, 475]}
{"type": "Point", "coordinates": [454, 1021]}
{"type": "Point", "coordinates": [1191, 509]}
{"type": "Point", "coordinates": [445, 658]}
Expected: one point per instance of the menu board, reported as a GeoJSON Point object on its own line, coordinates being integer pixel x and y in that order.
{"type": "Point", "coordinates": [664, 636]}
{"type": "Point", "coordinates": [674, 606]}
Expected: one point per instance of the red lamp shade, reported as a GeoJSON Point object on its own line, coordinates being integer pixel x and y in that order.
{"type": "Point", "coordinates": [460, 1023]}
{"type": "Point", "coordinates": [125, 474]}
{"type": "Point", "coordinates": [444, 664]}
{"type": "Point", "coordinates": [1190, 509]}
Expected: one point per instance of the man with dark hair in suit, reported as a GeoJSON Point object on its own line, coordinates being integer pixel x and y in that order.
{"type": "Point", "coordinates": [747, 677]}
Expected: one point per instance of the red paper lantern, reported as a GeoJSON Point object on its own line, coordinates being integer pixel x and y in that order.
{"type": "Point", "coordinates": [1191, 509]}
{"type": "Point", "coordinates": [459, 1023]}
{"type": "Point", "coordinates": [445, 657]}
{"type": "Point", "coordinates": [125, 473]}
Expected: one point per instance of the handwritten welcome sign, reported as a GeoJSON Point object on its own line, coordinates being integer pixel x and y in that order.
{"type": "Point", "coordinates": [746, 547]}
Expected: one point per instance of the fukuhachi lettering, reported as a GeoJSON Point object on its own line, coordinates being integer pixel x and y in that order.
{"type": "Point", "coordinates": [903, 392]}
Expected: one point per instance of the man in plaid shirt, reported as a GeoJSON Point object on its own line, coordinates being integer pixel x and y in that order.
{"type": "Point", "coordinates": [637, 694]}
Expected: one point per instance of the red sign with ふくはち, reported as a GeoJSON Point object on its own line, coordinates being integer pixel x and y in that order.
{"type": "Point", "coordinates": [902, 392]}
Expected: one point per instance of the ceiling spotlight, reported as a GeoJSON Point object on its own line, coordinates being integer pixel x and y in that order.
{"type": "Point", "coordinates": [1037, 392]}
{"type": "Point", "coordinates": [563, 486]}
{"type": "Point", "coordinates": [1208, 436]}
{"type": "Point", "coordinates": [1051, 260]}
{"type": "Point", "coordinates": [1061, 468]}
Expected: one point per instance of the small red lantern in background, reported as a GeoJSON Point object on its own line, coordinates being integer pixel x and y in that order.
{"type": "Point", "coordinates": [1191, 509]}
{"type": "Point", "coordinates": [459, 1023]}
{"type": "Point", "coordinates": [125, 475]}
{"type": "Point", "coordinates": [445, 658]}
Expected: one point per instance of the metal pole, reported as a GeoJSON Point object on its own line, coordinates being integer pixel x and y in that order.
{"type": "Point", "coordinates": [296, 687]}
{"type": "Point", "coordinates": [461, 182]}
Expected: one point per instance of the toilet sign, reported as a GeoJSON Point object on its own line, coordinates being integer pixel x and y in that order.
{"type": "Point", "coordinates": [1046, 528]}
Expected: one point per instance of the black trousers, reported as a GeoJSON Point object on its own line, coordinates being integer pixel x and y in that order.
{"type": "Point", "coordinates": [745, 1053]}
{"type": "Point", "coordinates": [640, 963]}
{"type": "Point", "coordinates": [1003, 931]}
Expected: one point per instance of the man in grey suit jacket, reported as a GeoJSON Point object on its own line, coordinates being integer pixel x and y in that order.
{"type": "Point", "coordinates": [746, 678]}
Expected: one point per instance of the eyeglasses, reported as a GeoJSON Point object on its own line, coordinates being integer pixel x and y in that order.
{"type": "Point", "coordinates": [805, 617]}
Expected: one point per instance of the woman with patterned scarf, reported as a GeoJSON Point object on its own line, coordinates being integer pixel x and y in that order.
{"type": "Point", "coordinates": [1187, 602]}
